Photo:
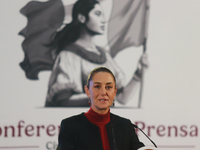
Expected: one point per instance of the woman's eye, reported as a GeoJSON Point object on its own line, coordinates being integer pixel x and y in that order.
{"type": "Point", "coordinates": [108, 87]}
{"type": "Point", "coordinates": [98, 13]}
{"type": "Point", "coordinates": [97, 86]}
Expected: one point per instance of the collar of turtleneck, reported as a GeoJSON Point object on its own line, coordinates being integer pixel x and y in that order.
{"type": "Point", "coordinates": [96, 118]}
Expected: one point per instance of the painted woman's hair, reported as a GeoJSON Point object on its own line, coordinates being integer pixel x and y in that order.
{"type": "Point", "coordinates": [71, 32]}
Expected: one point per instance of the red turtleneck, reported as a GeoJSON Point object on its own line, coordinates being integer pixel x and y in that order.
{"type": "Point", "coordinates": [100, 121]}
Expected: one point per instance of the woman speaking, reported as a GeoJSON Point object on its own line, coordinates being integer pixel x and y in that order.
{"type": "Point", "coordinates": [98, 129]}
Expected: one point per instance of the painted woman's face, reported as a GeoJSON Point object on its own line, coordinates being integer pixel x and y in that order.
{"type": "Point", "coordinates": [96, 21]}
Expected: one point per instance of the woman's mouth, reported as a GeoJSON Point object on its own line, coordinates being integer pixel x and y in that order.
{"type": "Point", "coordinates": [103, 100]}
{"type": "Point", "coordinates": [103, 28]}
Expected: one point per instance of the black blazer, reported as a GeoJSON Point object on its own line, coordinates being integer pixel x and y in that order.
{"type": "Point", "coordinates": [78, 133]}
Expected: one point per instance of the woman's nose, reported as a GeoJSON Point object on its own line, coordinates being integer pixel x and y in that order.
{"type": "Point", "coordinates": [103, 19]}
{"type": "Point", "coordinates": [103, 91]}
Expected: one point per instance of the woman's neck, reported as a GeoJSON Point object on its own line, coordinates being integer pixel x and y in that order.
{"type": "Point", "coordinates": [100, 111]}
{"type": "Point", "coordinates": [86, 39]}
{"type": "Point", "coordinates": [86, 42]}
{"type": "Point", "coordinates": [96, 118]}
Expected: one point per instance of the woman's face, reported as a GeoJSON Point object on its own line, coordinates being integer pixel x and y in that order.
{"type": "Point", "coordinates": [101, 92]}
{"type": "Point", "coordinates": [96, 21]}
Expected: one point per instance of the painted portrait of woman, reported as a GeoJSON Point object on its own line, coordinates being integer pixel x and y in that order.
{"type": "Point", "coordinates": [76, 54]}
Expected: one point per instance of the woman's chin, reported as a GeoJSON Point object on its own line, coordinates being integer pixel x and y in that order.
{"type": "Point", "coordinates": [104, 105]}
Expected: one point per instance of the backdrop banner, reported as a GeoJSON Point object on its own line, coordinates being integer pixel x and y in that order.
{"type": "Point", "coordinates": [34, 77]}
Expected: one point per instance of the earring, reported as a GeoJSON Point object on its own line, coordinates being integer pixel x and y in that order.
{"type": "Point", "coordinates": [113, 103]}
{"type": "Point", "coordinates": [89, 102]}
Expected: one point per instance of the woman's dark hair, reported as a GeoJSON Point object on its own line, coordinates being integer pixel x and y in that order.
{"type": "Point", "coordinates": [96, 70]}
{"type": "Point", "coordinates": [71, 32]}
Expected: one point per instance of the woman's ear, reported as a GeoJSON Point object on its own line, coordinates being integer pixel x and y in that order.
{"type": "Point", "coordinates": [87, 91]}
{"type": "Point", "coordinates": [81, 18]}
{"type": "Point", "coordinates": [115, 91]}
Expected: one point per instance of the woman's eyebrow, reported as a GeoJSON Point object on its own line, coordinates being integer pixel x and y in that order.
{"type": "Point", "coordinates": [97, 82]}
{"type": "Point", "coordinates": [100, 83]}
{"type": "Point", "coordinates": [109, 83]}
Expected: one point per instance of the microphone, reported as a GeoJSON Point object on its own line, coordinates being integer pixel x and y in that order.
{"type": "Point", "coordinates": [114, 143]}
{"type": "Point", "coordinates": [135, 126]}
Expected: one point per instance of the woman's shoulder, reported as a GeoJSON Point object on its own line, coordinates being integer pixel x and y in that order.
{"type": "Point", "coordinates": [120, 120]}
{"type": "Point", "coordinates": [114, 116]}
{"type": "Point", "coordinates": [67, 53]}
{"type": "Point", "coordinates": [72, 123]}
{"type": "Point", "coordinates": [74, 118]}
{"type": "Point", "coordinates": [68, 57]}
